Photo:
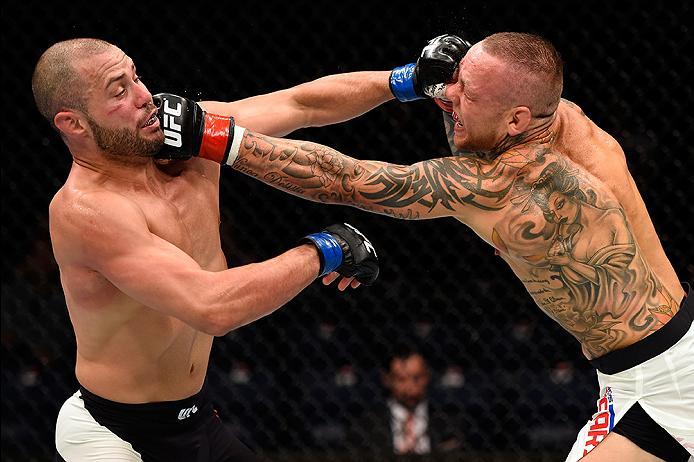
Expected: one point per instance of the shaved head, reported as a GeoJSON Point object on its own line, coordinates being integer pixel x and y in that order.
{"type": "Point", "coordinates": [71, 84]}
{"type": "Point", "coordinates": [536, 77]}
{"type": "Point", "coordinates": [57, 85]}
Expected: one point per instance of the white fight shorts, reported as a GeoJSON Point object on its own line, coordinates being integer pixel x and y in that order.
{"type": "Point", "coordinates": [653, 398]}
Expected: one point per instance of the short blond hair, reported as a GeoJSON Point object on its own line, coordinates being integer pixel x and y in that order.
{"type": "Point", "coordinates": [537, 65]}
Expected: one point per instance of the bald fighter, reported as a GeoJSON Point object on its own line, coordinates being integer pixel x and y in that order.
{"type": "Point", "coordinates": [138, 244]}
{"type": "Point", "coordinates": [535, 178]}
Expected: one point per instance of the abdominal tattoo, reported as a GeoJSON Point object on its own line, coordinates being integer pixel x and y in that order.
{"type": "Point", "coordinates": [564, 235]}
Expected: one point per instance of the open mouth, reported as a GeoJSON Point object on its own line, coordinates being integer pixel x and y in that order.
{"type": "Point", "coordinates": [151, 120]}
{"type": "Point", "coordinates": [456, 119]}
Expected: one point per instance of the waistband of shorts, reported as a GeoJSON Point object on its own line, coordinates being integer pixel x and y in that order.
{"type": "Point", "coordinates": [649, 347]}
{"type": "Point", "coordinates": [165, 414]}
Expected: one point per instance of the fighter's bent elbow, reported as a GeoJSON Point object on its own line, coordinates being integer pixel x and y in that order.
{"type": "Point", "coordinates": [220, 319]}
{"type": "Point", "coordinates": [214, 322]}
{"type": "Point", "coordinates": [231, 316]}
{"type": "Point", "coordinates": [218, 331]}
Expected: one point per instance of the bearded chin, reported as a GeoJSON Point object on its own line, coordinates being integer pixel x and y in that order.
{"type": "Point", "coordinates": [123, 143]}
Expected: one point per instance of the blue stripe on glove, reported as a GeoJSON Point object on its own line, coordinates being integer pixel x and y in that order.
{"type": "Point", "coordinates": [330, 252]}
{"type": "Point", "coordinates": [402, 83]}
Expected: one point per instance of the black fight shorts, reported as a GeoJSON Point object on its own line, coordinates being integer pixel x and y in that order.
{"type": "Point", "coordinates": [91, 428]}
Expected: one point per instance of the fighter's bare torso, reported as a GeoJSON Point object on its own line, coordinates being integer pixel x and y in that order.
{"type": "Point", "coordinates": [560, 208]}
{"type": "Point", "coordinates": [600, 154]}
{"type": "Point", "coordinates": [128, 352]}
{"type": "Point", "coordinates": [574, 229]}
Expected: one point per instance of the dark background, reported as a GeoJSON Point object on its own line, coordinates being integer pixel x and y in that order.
{"type": "Point", "coordinates": [292, 383]}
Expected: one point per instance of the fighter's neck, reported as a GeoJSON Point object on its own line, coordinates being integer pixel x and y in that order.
{"type": "Point", "coordinates": [544, 132]}
{"type": "Point", "coordinates": [141, 171]}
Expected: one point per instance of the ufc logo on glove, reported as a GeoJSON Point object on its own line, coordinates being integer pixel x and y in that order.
{"type": "Point", "coordinates": [172, 130]}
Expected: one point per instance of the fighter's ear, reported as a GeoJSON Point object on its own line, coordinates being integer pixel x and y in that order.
{"type": "Point", "coordinates": [69, 123]}
{"type": "Point", "coordinates": [519, 120]}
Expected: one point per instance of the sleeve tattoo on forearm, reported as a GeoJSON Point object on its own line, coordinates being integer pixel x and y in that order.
{"type": "Point", "coordinates": [322, 174]}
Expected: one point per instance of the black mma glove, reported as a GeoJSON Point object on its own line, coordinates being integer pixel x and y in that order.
{"type": "Point", "coordinates": [189, 131]}
{"type": "Point", "coordinates": [343, 248]}
{"type": "Point", "coordinates": [434, 69]}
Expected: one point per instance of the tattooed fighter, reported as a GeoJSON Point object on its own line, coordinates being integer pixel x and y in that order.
{"type": "Point", "coordinates": [524, 176]}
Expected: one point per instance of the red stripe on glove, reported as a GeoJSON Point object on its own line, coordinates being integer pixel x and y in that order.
{"type": "Point", "coordinates": [215, 137]}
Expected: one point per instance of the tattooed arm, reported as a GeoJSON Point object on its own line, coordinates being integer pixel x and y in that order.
{"type": "Point", "coordinates": [429, 189]}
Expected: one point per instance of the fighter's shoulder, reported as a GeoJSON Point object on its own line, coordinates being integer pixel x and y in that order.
{"type": "Point", "coordinates": [570, 105]}
{"type": "Point", "coordinates": [583, 140]}
{"type": "Point", "coordinates": [595, 179]}
{"type": "Point", "coordinates": [76, 209]}
{"type": "Point", "coordinates": [578, 123]}
{"type": "Point", "coordinates": [85, 225]}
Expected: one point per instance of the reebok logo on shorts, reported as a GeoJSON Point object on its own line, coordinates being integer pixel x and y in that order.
{"type": "Point", "coordinates": [602, 421]}
{"type": "Point", "coordinates": [187, 412]}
